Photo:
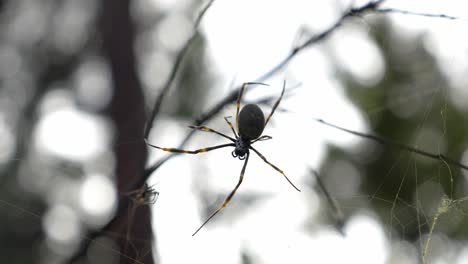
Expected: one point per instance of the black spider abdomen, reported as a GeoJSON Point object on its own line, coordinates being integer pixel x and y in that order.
{"type": "Point", "coordinates": [251, 122]}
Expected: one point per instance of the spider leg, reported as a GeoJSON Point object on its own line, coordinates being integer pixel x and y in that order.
{"type": "Point", "coordinates": [276, 104]}
{"type": "Point", "coordinates": [228, 199]}
{"type": "Point", "coordinates": [230, 125]}
{"type": "Point", "coordinates": [239, 99]}
{"type": "Point", "coordinates": [144, 195]}
{"type": "Point", "coordinates": [274, 167]}
{"type": "Point", "coordinates": [150, 195]}
{"type": "Point", "coordinates": [207, 129]}
{"type": "Point", "coordinates": [262, 138]}
{"type": "Point", "coordinates": [191, 151]}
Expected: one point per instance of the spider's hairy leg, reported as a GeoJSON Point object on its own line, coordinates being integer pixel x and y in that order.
{"type": "Point", "coordinates": [276, 104]}
{"type": "Point", "coordinates": [262, 138]}
{"type": "Point", "coordinates": [230, 125]}
{"type": "Point", "coordinates": [143, 195]}
{"type": "Point", "coordinates": [228, 199]}
{"type": "Point", "coordinates": [240, 96]}
{"type": "Point", "coordinates": [175, 150]}
{"type": "Point", "coordinates": [274, 167]}
{"type": "Point", "coordinates": [207, 129]}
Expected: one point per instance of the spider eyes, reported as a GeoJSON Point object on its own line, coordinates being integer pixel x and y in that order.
{"type": "Point", "coordinates": [251, 122]}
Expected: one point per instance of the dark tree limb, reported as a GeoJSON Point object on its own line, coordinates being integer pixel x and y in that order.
{"type": "Point", "coordinates": [128, 114]}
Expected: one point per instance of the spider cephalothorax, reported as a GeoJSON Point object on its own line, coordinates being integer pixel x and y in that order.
{"type": "Point", "coordinates": [250, 123]}
{"type": "Point", "coordinates": [241, 148]}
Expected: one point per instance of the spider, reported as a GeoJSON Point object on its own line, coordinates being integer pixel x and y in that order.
{"type": "Point", "coordinates": [145, 195]}
{"type": "Point", "coordinates": [250, 123]}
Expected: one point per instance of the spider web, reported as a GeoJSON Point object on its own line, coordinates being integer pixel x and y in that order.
{"type": "Point", "coordinates": [418, 202]}
{"type": "Point", "coordinates": [410, 194]}
{"type": "Point", "coordinates": [102, 247]}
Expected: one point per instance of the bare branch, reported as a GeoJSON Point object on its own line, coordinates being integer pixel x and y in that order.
{"type": "Point", "coordinates": [334, 206]}
{"type": "Point", "coordinates": [371, 7]}
{"type": "Point", "coordinates": [406, 12]}
{"type": "Point", "coordinates": [231, 97]}
{"type": "Point", "coordinates": [175, 70]}
{"type": "Point", "coordinates": [392, 143]}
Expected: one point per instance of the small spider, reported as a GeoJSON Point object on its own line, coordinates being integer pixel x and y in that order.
{"type": "Point", "coordinates": [250, 123]}
{"type": "Point", "coordinates": [145, 195]}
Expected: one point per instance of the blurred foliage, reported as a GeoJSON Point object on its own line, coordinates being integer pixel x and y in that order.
{"type": "Point", "coordinates": [37, 57]}
{"type": "Point", "coordinates": [31, 64]}
{"type": "Point", "coordinates": [193, 84]}
{"type": "Point", "coordinates": [409, 105]}
{"type": "Point", "coordinates": [43, 47]}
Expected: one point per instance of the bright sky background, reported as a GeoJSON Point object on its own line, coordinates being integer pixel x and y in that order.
{"type": "Point", "coordinates": [245, 38]}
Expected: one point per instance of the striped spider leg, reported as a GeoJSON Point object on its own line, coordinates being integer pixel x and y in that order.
{"type": "Point", "coordinates": [250, 123]}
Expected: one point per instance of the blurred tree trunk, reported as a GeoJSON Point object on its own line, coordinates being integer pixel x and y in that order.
{"type": "Point", "coordinates": [128, 113]}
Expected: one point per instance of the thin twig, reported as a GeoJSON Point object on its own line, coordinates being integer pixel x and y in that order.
{"type": "Point", "coordinates": [231, 97]}
{"type": "Point", "coordinates": [175, 69]}
{"type": "Point", "coordinates": [334, 206]}
{"type": "Point", "coordinates": [392, 143]}
{"type": "Point", "coordinates": [406, 12]}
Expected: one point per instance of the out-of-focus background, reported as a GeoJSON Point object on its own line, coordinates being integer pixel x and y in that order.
{"type": "Point", "coordinates": [78, 80]}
